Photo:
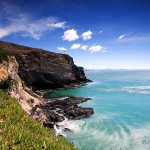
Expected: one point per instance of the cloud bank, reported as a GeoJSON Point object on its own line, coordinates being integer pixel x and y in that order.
{"type": "Point", "coordinates": [94, 48]}
{"type": "Point", "coordinates": [23, 24]}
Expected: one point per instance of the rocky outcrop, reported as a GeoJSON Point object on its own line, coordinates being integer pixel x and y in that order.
{"type": "Point", "coordinates": [59, 109]}
{"type": "Point", "coordinates": [41, 69]}
{"type": "Point", "coordinates": [46, 111]}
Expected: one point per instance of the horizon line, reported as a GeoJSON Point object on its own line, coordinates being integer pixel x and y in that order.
{"type": "Point", "coordinates": [116, 68]}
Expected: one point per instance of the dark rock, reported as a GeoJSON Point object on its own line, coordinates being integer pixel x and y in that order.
{"type": "Point", "coordinates": [48, 124]}
{"type": "Point", "coordinates": [42, 69]}
{"type": "Point", "coordinates": [68, 108]}
{"type": "Point", "coordinates": [69, 101]}
{"type": "Point", "coordinates": [67, 129]}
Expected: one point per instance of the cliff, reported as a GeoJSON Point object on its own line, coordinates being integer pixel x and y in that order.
{"type": "Point", "coordinates": [42, 69]}
{"type": "Point", "coordinates": [45, 111]}
{"type": "Point", "coordinates": [15, 86]}
{"type": "Point", "coordinates": [16, 62]}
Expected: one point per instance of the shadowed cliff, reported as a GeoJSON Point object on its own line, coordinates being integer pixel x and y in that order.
{"type": "Point", "coordinates": [43, 69]}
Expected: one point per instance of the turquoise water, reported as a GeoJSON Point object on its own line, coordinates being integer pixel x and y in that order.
{"type": "Point", "coordinates": [121, 102]}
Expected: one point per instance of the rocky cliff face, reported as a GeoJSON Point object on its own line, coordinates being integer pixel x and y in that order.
{"type": "Point", "coordinates": [48, 112]}
{"type": "Point", "coordinates": [42, 69]}
{"type": "Point", "coordinates": [9, 74]}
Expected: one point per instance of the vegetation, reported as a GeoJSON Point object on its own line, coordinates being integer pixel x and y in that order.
{"type": "Point", "coordinates": [6, 84]}
{"type": "Point", "coordinates": [4, 56]}
{"type": "Point", "coordinates": [19, 131]}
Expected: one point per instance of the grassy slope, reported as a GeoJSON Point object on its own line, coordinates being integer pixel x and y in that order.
{"type": "Point", "coordinates": [19, 131]}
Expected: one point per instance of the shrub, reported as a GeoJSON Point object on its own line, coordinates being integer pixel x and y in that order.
{"type": "Point", "coordinates": [4, 56]}
{"type": "Point", "coordinates": [5, 85]}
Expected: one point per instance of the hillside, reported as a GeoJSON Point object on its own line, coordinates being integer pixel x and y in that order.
{"type": "Point", "coordinates": [19, 131]}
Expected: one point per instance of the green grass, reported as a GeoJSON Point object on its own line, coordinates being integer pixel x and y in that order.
{"type": "Point", "coordinates": [18, 131]}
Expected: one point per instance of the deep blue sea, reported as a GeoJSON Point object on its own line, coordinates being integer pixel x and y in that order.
{"type": "Point", "coordinates": [121, 103]}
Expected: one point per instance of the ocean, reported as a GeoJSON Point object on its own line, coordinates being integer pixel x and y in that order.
{"type": "Point", "coordinates": [121, 103]}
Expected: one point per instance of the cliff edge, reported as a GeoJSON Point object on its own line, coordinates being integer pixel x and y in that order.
{"type": "Point", "coordinates": [46, 111]}
{"type": "Point", "coordinates": [42, 69]}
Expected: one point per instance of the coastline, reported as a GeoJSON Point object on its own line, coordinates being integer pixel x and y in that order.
{"type": "Point", "coordinates": [60, 108]}
{"type": "Point", "coordinates": [21, 73]}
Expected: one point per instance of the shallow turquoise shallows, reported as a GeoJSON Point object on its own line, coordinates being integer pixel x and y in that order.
{"type": "Point", "coordinates": [121, 102]}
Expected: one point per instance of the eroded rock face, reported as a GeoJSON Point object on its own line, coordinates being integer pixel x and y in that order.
{"type": "Point", "coordinates": [42, 69]}
{"type": "Point", "coordinates": [9, 70]}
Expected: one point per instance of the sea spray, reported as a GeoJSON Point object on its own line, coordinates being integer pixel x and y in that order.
{"type": "Point", "coordinates": [61, 128]}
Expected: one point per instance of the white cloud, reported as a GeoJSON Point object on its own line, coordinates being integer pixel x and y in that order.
{"type": "Point", "coordinates": [75, 46]}
{"type": "Point", "coordinates": [84, 47]}
{"type": "Point", "coordinates": [24, 25]}
{"type": "Point", "coordinates": [61, 49]}
{"type": "Point", "coordinates": [30, 28]}
{"type": "Point", "coordinates": [122, 36]}
{"type": "Point", "coordinates": [38, 28]}
{"type": "Point", "coordinates": [58, 25]}
{"type": "Point", "coordinates": [87, 35]}
{"type": "Point", "coordinates": [100, 31]}
{"type": "Point", "coordinates": [70, 35]}
{"type": "Point", "coordinates": [97, 48]}
{"type": "Point", "coordinates": [136, 37]}
{"type": "Point", "coordinates": [4, 32]}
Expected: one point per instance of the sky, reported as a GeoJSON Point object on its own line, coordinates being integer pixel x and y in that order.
{"type": "Point", "coordinates": [98, 34]}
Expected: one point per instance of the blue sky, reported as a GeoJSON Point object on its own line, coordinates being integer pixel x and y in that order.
{"type": "Point", "coordinates": [98, 34]}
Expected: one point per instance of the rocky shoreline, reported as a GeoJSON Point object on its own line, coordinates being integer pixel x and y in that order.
{"type": "Point", "coordinates": [29, 69]}
{"type": "Point", "coordinates": [58, 109]}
